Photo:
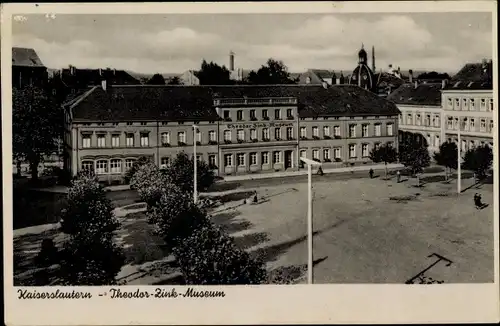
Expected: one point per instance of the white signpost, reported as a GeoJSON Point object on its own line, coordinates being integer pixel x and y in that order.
{"type": "Point", "coordinates": [195, 164]}
{"type": "Point", "coordinates": [309, 164]}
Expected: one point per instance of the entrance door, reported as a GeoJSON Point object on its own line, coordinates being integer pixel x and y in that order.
{"type": "Point", "coordinates": [288, 159]}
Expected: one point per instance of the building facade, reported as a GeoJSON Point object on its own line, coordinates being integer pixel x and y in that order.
{"type": "Point", "coordinates": [237, 129]}
{"type": "Point", "coordinates": [27, 68]}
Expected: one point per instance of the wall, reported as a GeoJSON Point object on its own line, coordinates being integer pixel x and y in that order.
{"type": "Point", "coordinates": [424, 120]}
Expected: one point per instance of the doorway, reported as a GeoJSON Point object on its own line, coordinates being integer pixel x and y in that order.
{"type": "Point", "coordinates": [288, 159]}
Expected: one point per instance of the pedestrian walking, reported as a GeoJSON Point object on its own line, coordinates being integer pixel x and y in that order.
{"type": "Point", "coordinates": [477, 201]}
{"type": "Point", "coordinates": [398, 176]}
{"type": "Point", "coordinates": [320, 171]}
{"type": "Point", "coordinates": [371, 173]}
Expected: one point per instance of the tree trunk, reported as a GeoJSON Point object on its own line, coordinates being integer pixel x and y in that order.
{"type": "Point", "coordinates": [19, 168]}
{"type": "Point", "coordinates": [418, 180]}
{"type": "Point", "coordinates": [445, 174]}
{"type": "Point", "coordinates": [34, 169]}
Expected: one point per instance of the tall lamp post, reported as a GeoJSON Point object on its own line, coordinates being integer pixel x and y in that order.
{"type": "Point", "coordinates": [195, 165]}
{"type": "Point", "coordinates": [309, 164]}
{"type": "Point", "coordinates": [459, 158]}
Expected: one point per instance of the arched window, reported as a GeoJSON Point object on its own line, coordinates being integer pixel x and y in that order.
{"type": "Point", "coordinates": [116, 166]}
{"type": "Point", "coordinates": [102, 167]}
{"type": "Point", "coordinates": [88, 165]}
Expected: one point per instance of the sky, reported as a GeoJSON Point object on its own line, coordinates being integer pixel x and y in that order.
{"type": "Point", "coordinates": [175, 43]}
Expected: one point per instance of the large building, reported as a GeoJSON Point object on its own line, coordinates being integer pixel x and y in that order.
{"type": "Point", "coordinates": [421, 113]}
{"type": "Point", "coordinates": [467, 103]}
{"type": "Point", "coordinates": [27, 68]}
{"type": "Point", "coordinates": [240, 129]}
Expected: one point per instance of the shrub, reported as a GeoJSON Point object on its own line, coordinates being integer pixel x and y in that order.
{"type": "Point", "coordinates": [135, 167]}
{"type": "Point", "coordinates": [174, 215]}
{"type": "Point", "coordinates": [180, 172]}
{"type": "Point", "coordinates": [149, 181]}
{"type": "Point", "coordinates": [210, 257]}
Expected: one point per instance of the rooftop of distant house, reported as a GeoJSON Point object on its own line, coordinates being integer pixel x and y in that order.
{"type": "Point", "coordinates": [426, 94]}
{"type": "Point", "coordinates": [189, 103]}
{"type": "Point", "coordinates": [77, 77]}
{"type": "Point", "coordinates": [473, 76]}
{"type": "Point", "coordinates": [26, 57]}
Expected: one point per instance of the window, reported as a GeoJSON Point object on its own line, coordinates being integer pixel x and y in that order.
{"type": "Point", "coordinates": [464, 104]}
{"type": "Point", "coordinates": [241, 159]}
{"type": "Point", "coordinates": [450, 123]}
{"type": "Point", "coordinates": [376, 145]}
{"type": "Point", "coordinates": [491, 104]}
{"type": "Point", "coordinates": [212, 160]}
{"type": "Point", "coordinates": [400, 119]}
{"type": "Point", "coordinates": [450, 103]}
{"type": "Point", "coordinates": [303, 153]}
{"type": "Point", "coordinates": [253, 134]}
{"type": "Point", "coordinates": [482, 126]}
{"type": "Point", "coordinates": [181, 137]}
{"type": "Point", "coordinates": [418, 120]}
{"type": "Point", "coordinates": [101, 167]}
{"type": "Point", "coordinates": [86, 141]}
{"type": "Point", "coordinates": [472, 104]}
{"type": "Point", "coordinates": [364, 150]}
{"type": "Point", "coordinates": [115, 166]}
{"type": "Point", "coordinates": [471, 144]}
{"type": "Point", "coordinates": [240, 135]}
{"type": "Point", "coordinates": [239, 115]}
{"type": "Point", "coordinates": [277, 114]}
{"type": "Point", "coordinates": [491, 125]}
{"type": "Point", "coordinates": [265, 134]}
{"type": "Point", "coordinates": [198, 136]}
{"type": "Point", "coordinates": [101, 140]}
{"type": "Point", "coordinates": [336, 152]}
{"type": "Point", "coordinates": [464, 145]}
{"type": "Point", "coordinates": [336, 131]}
{"type": "Point", "coordinates": [409, 119]}
{"type": "Point", "coordinates": [435, 121]}
{"type": "Point", "coordinates": [436, 141]}
{"type": "Point", "coordinates": [303, 132]}
{"type": "Point", "coordinates": [483, 104]}
{"type": "Point", "coordinates": [165, 161]}
{"type": "Point", "coordinates": [276, 157]}
{"type": "Point", "coordinates": [277, 133]}
{"type": "Point", "coordinates": [227, 135]}
{"type": "Point", "coordinates": [130, 140]}
{"type": "Point", "coordinates": [289, 133]}
{"type": "Point", "coordinates": [252, 115]}
{"type": "Point", "coordinates": [352, 131]}
{"type": "Point", "coordinates": [315, 154]}
{"type": "Point", "coordinates": [115, 140]}
{"type": "Point", "coordinates": [265, 114]}
{"type": "Point", "coordinates": [326, 131]}
{"type": "Point", "coordinates": [128, 163]}
{"type": "Point", "coordinates": [253, 158]}
{"type": "Point", "coordinates": [457, 104]}
{"type": "Point", "coordinates": [212, 135]}
{"type": "Point", "coordinates": [427, 120]}
{"type": "Point", "coordinates": [472, 125]}
{"type": "Point", "coordinates": [289, 113]}
{"type": "Point", "coordinates": [226, 115]}
{"type": "Point", "coordinates": [165, 138]}
{"type": "Point", "coordinates": [143, 123]}
{"type": "Point", "coordinates": [315, 131]}
{"type": "Point", "coordinates": [129, 123]}
{"type": "Point", "coordinates": [326, 154]}
{"type": "Point", "coordinates": [352, 150]}
{"type": "Point", "coordinates": [389, 129]}
{"type": "Point", "coordinates": [455, 123]}
{"type": "Point", "coordinates": [364, 131]}
{"type": "Point", "coordinates": [228, 159]}
{"type": "Point", "coordinates": [88, 165]}
{"type": "Point", "coordinates": [265, 158]}
{"type": "Point", "coordinates": [144, 139]}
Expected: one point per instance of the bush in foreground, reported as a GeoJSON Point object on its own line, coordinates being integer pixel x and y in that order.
{"type": "Point", "coordinates": [210, 257]}
{"type": "Point", "coordinates": [135, 167]}
{"type": "Point", "coordinates": [181, 171]}
{"type": "Point", "coordinates": [149, 182]}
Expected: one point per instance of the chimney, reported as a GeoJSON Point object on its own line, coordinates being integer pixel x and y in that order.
{"type": "Point", "coordinates": [410, 76]}
{"type": "Point", "coordinates": [443, 83]}
{"type": "Point", "coordinates": [231, 61]}
{"type": "Point", "coordinates": [104, 84]}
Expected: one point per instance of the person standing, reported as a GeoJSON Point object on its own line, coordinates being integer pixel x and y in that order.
{"type": "Point", "coordinates": [398, 176]}
{"type": "Point", "coordinates": [371, 173]}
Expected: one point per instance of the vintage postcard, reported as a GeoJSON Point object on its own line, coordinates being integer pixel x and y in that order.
{"type": "Point", "coordinates": [247, 163]}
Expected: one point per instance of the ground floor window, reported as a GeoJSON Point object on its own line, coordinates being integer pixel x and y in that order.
{"type": "Point", "coordinates": [253, 158]}
{"type": "Point", "coordinates": [364, 150]}
{"type": "Point", "coordinates": [88, 165]}
{"type": "Point", "coordinates": [303, 153]}
{"type": "Point", "coordinates": [165, 161]}
{"type": "Point", "coordinates": [116, 166]}
{"type": "Point", "coordinates": [212, 160]}
{"type": "Point", "coordinates": [102, 167]}
{"type": "Point", "coordinates": [228, 160]}
{"type": "Point", "coordinates": [129, 162]}
{"type": "Point", "coordinates": [352, 151]}
{"type": "Point", "coordinates": [336, 152]}
{"type": "Point", "coordinates": [315, 154]}
{"type": "Point", "coordinates": [241, 159]}
{"type": "Point", "coordinates": [276, 157]}
{"type": "Point", "coordinates": [326, 154]}
{"type": "Point", "coordinates": [265, 158]}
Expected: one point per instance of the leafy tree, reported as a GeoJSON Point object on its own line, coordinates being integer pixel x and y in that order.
{"type": "Point", "coordinates": [415, 159]}
{"type": "Point", "coordinates": [213, 74]}
{"type": "Point", "coordinates": [135, 167]}
{"type": "Point", "coordinates": [274, 72]}
{"type": "Point", "coordinates": [157, 79]}
{"type": "Point", "coordinates": [34, 110]}
{"type": "Point", "coordinates": [479, 160]}
{"type": "Point", "coordinates": [210, 257]}
{"type": "Point", "coordinates": [447, 157]}
{"type": "Point", "coordinates": [433, 75]}
{"type": "Point", "coordinates": [150, 182]}
{"type": "Point", "coordinates": [384, 153]}
{"type": "Point", "coordinates": [90, 257]}
{"type": "Point", "coordinates": [181, 171]}
{"type": "Point", "coordinates": [175, 81]}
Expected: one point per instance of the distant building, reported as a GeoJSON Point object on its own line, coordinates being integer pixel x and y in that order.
{"type": "Point", "coordinates": [362, 75]}
{"type": "Point", "coordinates": [317, 77]}
{"type": "Point", "coordinates": [27, 68]}
{"type": "Point", "coordinates": [242, 129]}
{"type": "Point", "coordinates": [189, 78]}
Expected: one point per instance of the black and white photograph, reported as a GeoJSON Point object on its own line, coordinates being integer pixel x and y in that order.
{"type": "Point", "coordinates": [161, 149]}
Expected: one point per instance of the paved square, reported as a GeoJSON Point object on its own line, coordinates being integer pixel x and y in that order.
{"type": "Point", "coordinates": [362, 236]}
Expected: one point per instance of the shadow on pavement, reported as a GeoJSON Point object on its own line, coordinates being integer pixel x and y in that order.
{"type": "Point", "coordinates": [290, 274]}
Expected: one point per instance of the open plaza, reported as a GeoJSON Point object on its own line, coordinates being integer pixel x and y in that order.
{"type": "Point", "coordinates": [365, 230]}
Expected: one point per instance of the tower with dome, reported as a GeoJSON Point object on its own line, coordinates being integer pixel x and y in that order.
{"type": "Point", "coordinates": [362, 75]}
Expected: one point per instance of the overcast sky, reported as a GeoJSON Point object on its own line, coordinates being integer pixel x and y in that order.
{"type": "Point", "coordinates": [175, 43]}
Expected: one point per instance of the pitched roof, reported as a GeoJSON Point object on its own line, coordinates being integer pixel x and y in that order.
{"type": "Point", "coordinates": [473, 76]}
{"type": "Point", "coordinates": [423, 94]}
{"type": "Point", "coordinates": [83, 78]}
{"type": "Point", "coordinates": [25, 57]}
{"type": "Point", "coordinates": [323, 73]}
{"type": "Point", "coordinates": [385, 79]}
{"type": "Point", "coordinates": [122, 103]}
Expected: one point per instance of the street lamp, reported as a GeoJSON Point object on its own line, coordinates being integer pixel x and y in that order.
{"type": "Point", "coordinates": [309, 163]}
{"type": "Point", "coordinates": [459, 159]}
{"type": "Point", "coordinates": [195, 165]}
